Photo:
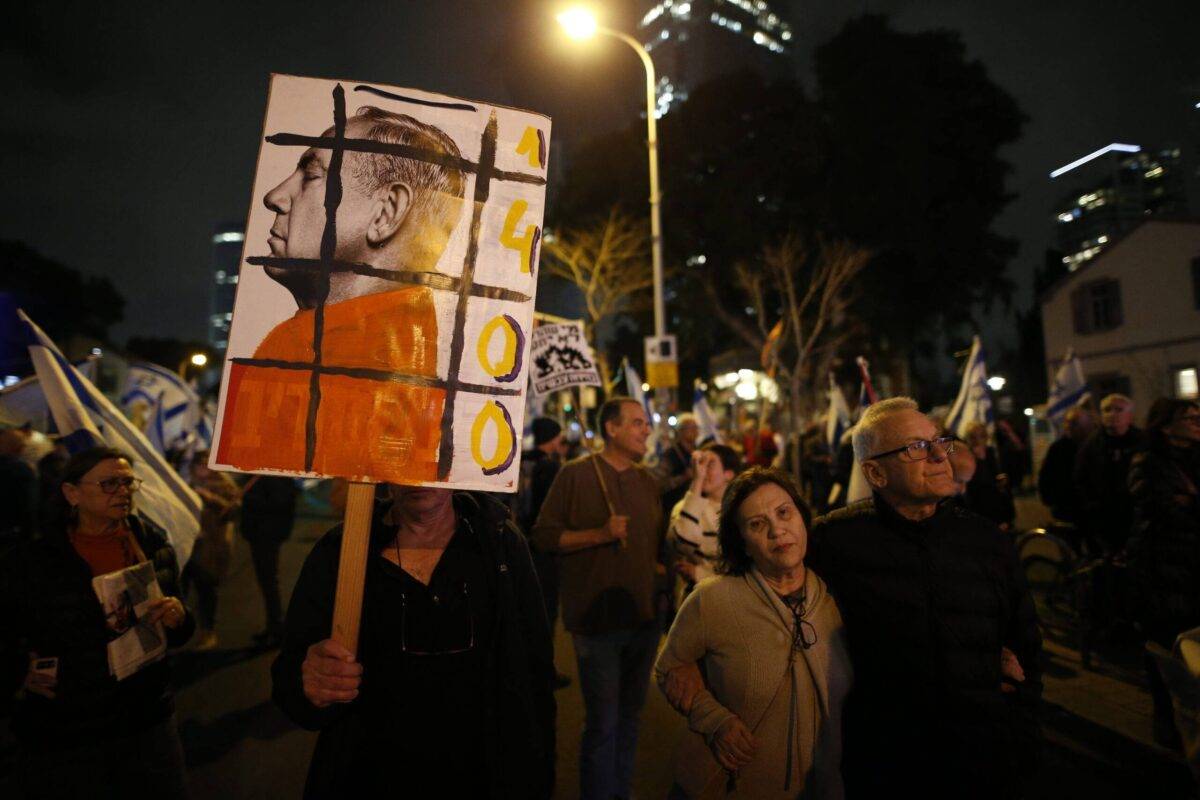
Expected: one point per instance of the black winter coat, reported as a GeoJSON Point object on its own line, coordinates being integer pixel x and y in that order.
{"type": "Point", "coordinates": [1164, 549]}
{"type": "Point", "coordinates": [1056, 480]}
{"type": "Point", "coordinates": [928, 606]}
{"type": "Point", "coordinates": [1102, 484]}
{"type": "Point", "coordinates": [269, 509]}
{"type": "Point", "coordinates": [48, 607]}
{"type": "Point", "coordinates": [521, 714]}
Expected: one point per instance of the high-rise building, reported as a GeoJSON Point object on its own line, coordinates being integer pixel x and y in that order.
{"type": "Point", "coordinates": [227, 243]}
{"type": "Point", "coordinates": [1113, 190]}
{"type": "Point", "coordinates": [694, 40]}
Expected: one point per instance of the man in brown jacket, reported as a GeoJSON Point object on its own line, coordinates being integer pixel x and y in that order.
{"type": "Point", "coordinates": [603, 516]}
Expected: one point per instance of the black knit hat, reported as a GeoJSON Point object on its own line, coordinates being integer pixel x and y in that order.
{"type": "Point", "coordinates": [544, 430]}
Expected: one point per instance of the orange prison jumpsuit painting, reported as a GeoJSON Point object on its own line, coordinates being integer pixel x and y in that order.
{"type": "Point", "coordinates": [383, 431]}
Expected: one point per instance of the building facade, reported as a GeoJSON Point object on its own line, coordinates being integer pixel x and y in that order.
{"type": "Point", "coordinates": [694, 40]}
{"type": "Point", "coordinates": [227, 244]}
{"type": "Point", "coordinates": [1132, 314]}
{"type": "Point", "coordinates": [1113, 190]}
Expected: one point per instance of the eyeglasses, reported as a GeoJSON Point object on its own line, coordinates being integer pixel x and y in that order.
{"type": "Point", "coordinates": [444, 633]}
{"type": "Point", "coordinates": [804, 634]}
{"type": "Point", "coordinates": [922, 449]}
{"type": "Point", "coordinates": [110, 485]}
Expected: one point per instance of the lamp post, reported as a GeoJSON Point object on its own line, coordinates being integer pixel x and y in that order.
{"type": "Point", "coordinates": [579, 23]}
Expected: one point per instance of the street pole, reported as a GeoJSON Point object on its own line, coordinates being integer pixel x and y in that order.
{"type": "Point", "coordinates": [660, 320]}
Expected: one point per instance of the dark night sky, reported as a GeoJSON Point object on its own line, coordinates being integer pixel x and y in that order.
{"type": "Point", "coordinates": [129, 130]}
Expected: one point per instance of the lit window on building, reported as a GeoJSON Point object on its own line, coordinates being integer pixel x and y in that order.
{"type": "Point", "coordinates": [1186, 382]}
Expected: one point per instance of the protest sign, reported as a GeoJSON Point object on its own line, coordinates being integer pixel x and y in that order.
{"type": "Point", "coordinates": [381, 327]}
{"type": "Point", "coordinates": [562, 358]}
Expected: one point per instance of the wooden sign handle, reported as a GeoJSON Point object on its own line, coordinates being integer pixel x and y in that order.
{"type": "Point", "coordinates": [352, 571]}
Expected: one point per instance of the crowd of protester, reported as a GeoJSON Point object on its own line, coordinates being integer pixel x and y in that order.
{"type": "Point", "coordinates": [802, 634]}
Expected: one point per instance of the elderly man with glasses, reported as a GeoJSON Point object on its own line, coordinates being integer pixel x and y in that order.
{"type": "Point", "coordinates": [941, 628]}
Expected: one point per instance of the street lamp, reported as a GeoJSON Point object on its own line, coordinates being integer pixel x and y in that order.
{"type": "Point", "coordinates": [195, 359]}
{"type": "Point", "coordinates": [579, 23]}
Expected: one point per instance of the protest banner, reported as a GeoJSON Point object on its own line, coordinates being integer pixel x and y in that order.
{"type": "Point", "coordinates": [381, 327]}
{"type": "Point", "coordinates": [562, 358]}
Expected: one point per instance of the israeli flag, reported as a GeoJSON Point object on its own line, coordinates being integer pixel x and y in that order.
{"type": "Point", "coordinates": [633, 385]}
{"type": "Point", "coordinates": [837, 418]}
{"type": "Point", "coordinates": [24, 403]}
{"type": "Point", "coordinates": [165, 408]}
{"type": "Point", "coordinates": [1069, 390]}
{"type": "Point", "coordinates": [85, 418]}
{"type": "Point", "coordinates": [974, 401]}
{"type": "Point", "coordinates": [709, 432]}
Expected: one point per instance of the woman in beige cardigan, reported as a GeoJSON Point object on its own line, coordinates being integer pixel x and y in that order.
{"type": "Point", "coordinates": [769, 640]}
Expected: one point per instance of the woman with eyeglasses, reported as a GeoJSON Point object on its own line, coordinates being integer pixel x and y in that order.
{"type": "Point", "coordinates": [769, 639]}
{"type": "Point", "coordinates": [80, 729]}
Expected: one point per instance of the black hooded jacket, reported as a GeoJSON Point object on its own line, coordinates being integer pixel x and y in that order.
{"type": "Point", "coordinates": [518, 709]}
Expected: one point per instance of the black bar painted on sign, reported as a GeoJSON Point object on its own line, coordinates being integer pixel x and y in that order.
{"type": "Point", "coordinates": [434, 280]}
{"type": "Point", "coordinates": [483, 180]}
{"type": "Point", "coordinates": [415, 100]}
{"type": "Point", "coordinates": [403, 151]}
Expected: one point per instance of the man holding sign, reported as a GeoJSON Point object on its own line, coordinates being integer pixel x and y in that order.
{"type": "Point", "coordinates": [603, 516]}
{"type": "Point", "coordinates": [383, 340]}
{"type": "Point", "coordinates": [456, 698]}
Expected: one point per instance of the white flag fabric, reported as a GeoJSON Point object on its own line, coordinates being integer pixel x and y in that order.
{"type": "Point", "coordinates": [1069, 390]}
{"type": "Point", "coordinates": [837, 417]}
{"type": "Point", "coordinates": [974, 401]}
{"type": "Point", "coordinates": [162, 406]}
{"type": "Point", "coordinates": [709, 432]}
{"type": "Point", "coordinates": [85, 418]}
{"type": "Point", "coordinates": [633, 385]}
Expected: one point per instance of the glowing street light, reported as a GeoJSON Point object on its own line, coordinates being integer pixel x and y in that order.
{"type": "Point", "coordinates": [996, 383]}
{"type": "Point", "coordinates": [579, 23]}
{"type": "Point", "coordinates": [197, 360]}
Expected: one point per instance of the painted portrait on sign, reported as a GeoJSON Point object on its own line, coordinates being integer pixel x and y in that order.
{"type": "Point", "coordinates": [386, 287]}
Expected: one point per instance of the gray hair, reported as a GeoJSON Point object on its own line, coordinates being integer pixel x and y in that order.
{"type": "Point", "coordinates": [866, 432]}
{"type": "Point", "coordinates": [1117, 398]}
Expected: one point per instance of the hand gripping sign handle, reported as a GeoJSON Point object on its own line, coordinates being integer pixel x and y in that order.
{"type": "Point", "coordinates": [352, 569]}
{"type": "Point", "coordinates": [612, 509]}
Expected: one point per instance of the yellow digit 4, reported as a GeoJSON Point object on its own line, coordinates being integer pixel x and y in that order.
{"type": "Point", "coordinates": [526, 243]}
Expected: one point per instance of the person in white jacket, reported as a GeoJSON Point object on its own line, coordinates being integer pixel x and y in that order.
{"type": "Point", "coordinates": [694, 520]}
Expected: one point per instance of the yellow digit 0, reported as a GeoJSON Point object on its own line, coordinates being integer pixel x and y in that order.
{"type": "Point", "coordinates": [506, 368]}
{"type": "Point", "coordinates": [496, 415]}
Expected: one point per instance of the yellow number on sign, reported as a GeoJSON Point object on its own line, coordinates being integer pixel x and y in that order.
{"type": "Point", "coordinates": [508, 366]}
{"type": "Point", "coordinates": [533, 145]}
{"type": "Point", "coordinates": [527, 242]}
{"type": "Point", "coordinates": [506, 439]}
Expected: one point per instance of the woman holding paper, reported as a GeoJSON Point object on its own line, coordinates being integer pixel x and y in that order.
{"type": "Point", "coordinates": [79, 727]}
